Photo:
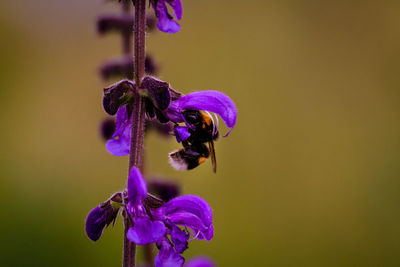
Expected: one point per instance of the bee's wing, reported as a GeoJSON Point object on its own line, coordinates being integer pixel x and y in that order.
{"type": "Point", "coordinates": [213, 158]}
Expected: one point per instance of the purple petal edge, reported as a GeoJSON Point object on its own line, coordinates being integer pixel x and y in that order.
{"type": "Point", "coordinates": [213, 101]}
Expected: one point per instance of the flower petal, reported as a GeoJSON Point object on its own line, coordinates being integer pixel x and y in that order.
{"type": "Point", "coordinates": [191, 211]}
{"type": "Point", "coordinates": [121, 142]}
{"type": "Point", "coordinates": [145, 231]}
{"type": "Point", "coordinates": [179, 238]}
{"type": "Point", "coordinates": [192, 204]}
{"type": "Point", "coordinates": [168, 257]}
{"type": "Point", "coordinates": [95, 223]}
{"type": "Point", "coordinates": [181, 133]}
{"type": "Point", "coordinates": [137, 189]}
{"type": "Point", "coordinates": [213, 101]}
{"type": "Point", "coordinates": [165, 21]}
{"type": "Point", "coordinates": [191, 221]}
{"type": "Point", "coordinates": [177, 7]}
{"type": "Point", "coordinates": [200, 262]}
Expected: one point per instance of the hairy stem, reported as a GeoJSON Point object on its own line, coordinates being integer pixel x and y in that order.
{"type": "Point", "coordinates": [137, 115]}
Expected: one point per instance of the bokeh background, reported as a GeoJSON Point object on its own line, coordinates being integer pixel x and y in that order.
{"type": "Point", "coordinates": [310, 176]}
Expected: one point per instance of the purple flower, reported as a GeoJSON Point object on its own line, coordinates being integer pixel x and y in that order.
{"type": "Point", "coordinates": [166, 22]}
{"type": "Point", "coordinates": [189, 211]}
{"type": "Point", "coordinates": [119, 145]}
{"type": "Point", "coordinates": [200, 128]}
{"type": "Point", "coordinates": [213, 101]}
{"type": "Point", "coordinates": [200, 262]}
{"type": "Point", "coordinates": [144, 231]}
{"type": "Point", "coordinates": [154, 223]}
{"type": "Point", "coordinates": [167, 257]}
{"type": "Point", "coordinates": [118, 97]}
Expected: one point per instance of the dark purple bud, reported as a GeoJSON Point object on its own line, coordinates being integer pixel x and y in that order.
{"type": "Point", "coordinates": [117, 95]}
{"type": "Point", "coordinates": [102, 216]}
{"type": "Point", "coordinates": [107, 128]}
{"type": "Point", "coordinates": [124, 67]}
{"type": "Point", "coordinates": [166, 190]}
{"type": "Point", "coordinates": [158, 91]}
{"type": "Point", "coordinates": [121, 23]}
{"type": "Point", "coordinates": [95, 223]}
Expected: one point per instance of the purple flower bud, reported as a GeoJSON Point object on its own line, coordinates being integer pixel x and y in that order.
{"type": "Point", "coordinates": [95, 223]}
{"type": "Point", "coordinates": [137, 188]}
{"type": "Point", "coordinates": [117, 95]}
{"type": "Point", "coordinates": [166, 21]}
{"type": "Point", "coordinates": [102, 216]}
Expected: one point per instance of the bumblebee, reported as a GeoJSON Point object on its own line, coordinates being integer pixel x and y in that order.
{"type": "Point", "coordinates": [202, 130]}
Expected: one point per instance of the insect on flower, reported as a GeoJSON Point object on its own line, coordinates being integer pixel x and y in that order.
{"type": "Point", "coordinates": [200, 127]}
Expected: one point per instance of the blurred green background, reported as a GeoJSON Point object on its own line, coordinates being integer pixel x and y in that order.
{"type": "Point", "coordinates": [309, 176]}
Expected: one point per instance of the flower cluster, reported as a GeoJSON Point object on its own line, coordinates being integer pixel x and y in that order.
{"type": "Point", "coordinates": [155, 221]}
{"type": "Point", "coordinates": [168, 220]}
{"type": "Point", "coordinates": [161, 224]}
{"type": "Point", "coordinates": [167, 105]}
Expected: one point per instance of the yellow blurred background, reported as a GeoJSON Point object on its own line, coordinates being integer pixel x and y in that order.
{"type": "Point", "coordinates": [309, 176]}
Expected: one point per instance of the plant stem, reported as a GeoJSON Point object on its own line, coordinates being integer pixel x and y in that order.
{"type": "Point", "coordinates": [137, 115]}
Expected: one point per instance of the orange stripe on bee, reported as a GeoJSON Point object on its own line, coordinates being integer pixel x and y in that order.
{"type": "Point", "coordinates": [206, 118]}
{"type": "Point", "coordinates": [201, 160]}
